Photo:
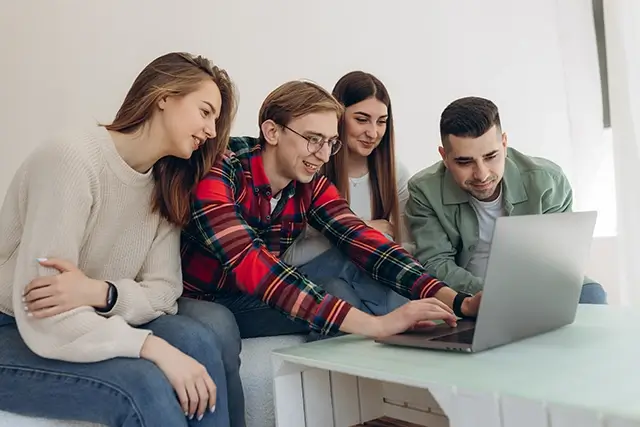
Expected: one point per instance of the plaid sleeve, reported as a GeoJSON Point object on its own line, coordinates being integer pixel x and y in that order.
{"type": "Point", "coordinates": [384, 259]}
{"type": "Point", "coordinates": [246, 260]}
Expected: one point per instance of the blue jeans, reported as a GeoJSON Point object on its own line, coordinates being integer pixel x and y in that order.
{"type": "Point", "coordinates": [119, 392]}
{"type": "Point", "coordinates": [593, 293]}
{"type": "Point", "coordinates": [337, 275]}
{"type": "Point", "coordinates": [221, 321]}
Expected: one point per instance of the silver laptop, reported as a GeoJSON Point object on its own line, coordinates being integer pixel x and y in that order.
{"type": "Point", "coordinates": [532, 284]}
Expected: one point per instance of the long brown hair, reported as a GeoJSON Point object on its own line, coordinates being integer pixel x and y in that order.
{"type": "Point", "coordinates": [351, 89]}
{"type": "Point", "coordinates": [177, 74]}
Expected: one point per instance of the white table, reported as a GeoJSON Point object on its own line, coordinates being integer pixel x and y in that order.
{"type": "Point", "coordinates": [584, 375]}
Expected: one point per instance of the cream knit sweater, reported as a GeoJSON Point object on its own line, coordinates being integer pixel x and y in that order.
{"type": "Point", "coordinates": [75, 198]}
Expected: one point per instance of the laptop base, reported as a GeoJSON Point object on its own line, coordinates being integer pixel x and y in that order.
{"type": "Point", "coordinates": [439, 337]}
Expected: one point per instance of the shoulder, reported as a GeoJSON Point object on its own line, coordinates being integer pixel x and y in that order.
{"type": "Point", "coordinates": [537, 171]}
{"type": "Point", "coordinates": [428, 178]}
{"type": "Point", "coordinates": [240, 151]}
{"type": "Point", "coordinates": [227, 172]}
{"type": "Point", "coordinates": [242, 146]}
{"type": "Point", "coordinates": [69, 153]}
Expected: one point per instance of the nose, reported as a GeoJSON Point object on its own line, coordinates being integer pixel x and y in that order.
{"type": "Point", "coordinates": [210, 131]}
{"type": "Point", "coordinates": [371, 132]}
{"type": "Point", "coordinates": [324, 153]}
{"type": "Point", "coordinates": [481, 173]}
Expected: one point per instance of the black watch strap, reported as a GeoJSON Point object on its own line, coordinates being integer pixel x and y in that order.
{"type": "Point", "coordinates": [457, 304]}
{"type": "Point", "coordinates": [112, 297]}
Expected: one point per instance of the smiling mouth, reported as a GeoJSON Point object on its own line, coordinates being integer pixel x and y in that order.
{"type": "Point", "coordinates": [197, 141]}
{"type": "Point", "coordinates": [367, 143]}
{"type": "Point", "coordinates": [311, 165]}
{"type": "Point", "coordinates": [483, 185]}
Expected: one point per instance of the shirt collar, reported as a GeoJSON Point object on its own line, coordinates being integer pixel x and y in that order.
{"type": "Point", "coordinates": [260, 180]}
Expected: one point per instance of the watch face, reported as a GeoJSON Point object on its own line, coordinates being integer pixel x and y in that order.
{"type": "Point", "coordinates": [111, 295]}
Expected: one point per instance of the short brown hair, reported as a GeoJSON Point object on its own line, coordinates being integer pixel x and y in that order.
{"type": "Point", "coordinates": [177, 74]}
{"type": "Point", "coordinates": [468, 117]}
{"type": "Point", "coordinates": [295, 99]}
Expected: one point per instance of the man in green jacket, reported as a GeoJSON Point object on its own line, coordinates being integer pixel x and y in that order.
{"type": "Point", "coordinates": [453, 204]}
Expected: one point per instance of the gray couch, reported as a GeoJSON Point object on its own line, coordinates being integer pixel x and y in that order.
{"type": "Point", "coordinates": [257, 376]}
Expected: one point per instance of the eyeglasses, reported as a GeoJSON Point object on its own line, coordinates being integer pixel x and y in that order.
{"type": "Point", "coordinates": [316, 142]}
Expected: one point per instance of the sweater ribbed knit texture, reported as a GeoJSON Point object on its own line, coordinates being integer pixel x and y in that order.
{"type": "Point", "coordinates": [75, 198]}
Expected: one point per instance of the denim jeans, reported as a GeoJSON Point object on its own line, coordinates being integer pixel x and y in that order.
{"type": "Point", "coordinates": [337, 275]}
{"type": "Point", "coordinates": [221, 321]}
{"type": "Point", "coordinates": [119, 392]}
{"type": "Point", "coordinates": [593, 293]}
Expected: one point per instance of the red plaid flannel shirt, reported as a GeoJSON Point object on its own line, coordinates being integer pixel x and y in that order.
{"type": "Point", "coordinates": [234, 242]}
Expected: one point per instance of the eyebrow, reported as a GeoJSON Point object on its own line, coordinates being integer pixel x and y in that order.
{"type": "Point", "coordinates": [467, 159]}
{"type": "Point", "coordinates": [362, 113]}
{"type": "Point", "coordinates": [321, 135]}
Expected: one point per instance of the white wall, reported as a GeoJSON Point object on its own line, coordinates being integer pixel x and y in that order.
{"type": "Point", "coordinates": [67, 61]}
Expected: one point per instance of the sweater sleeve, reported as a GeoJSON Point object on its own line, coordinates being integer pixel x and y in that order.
{"type": "Point", "coordinates": [56, 198]}
{"type": "Point", "coordinates": [159, 283]}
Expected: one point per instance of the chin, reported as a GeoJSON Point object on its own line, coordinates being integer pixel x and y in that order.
{"type": "Point", "coordinates": [185, 153]}
{"type": "Point", "coordinates": [304, 178]}
{"type": "Point", "coordinates": [365, 152]}
{"type": "Point", "coordinates": [485, 194]}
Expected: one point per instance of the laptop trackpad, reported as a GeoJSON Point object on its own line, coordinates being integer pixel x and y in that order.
{"type": "Point", "coordinates": [437, 333]}
{"type": "Point", "coordinates": [460, 337]}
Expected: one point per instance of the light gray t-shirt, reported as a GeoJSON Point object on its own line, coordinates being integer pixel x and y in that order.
{"type": "Point", "coordinates": [487, 213]}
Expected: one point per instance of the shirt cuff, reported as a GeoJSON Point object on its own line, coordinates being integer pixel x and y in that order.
{"type": "Point", "coordinates": [330, 315]}
{"type": "Point", "coordinates": [426, 286]}
{"type": "Point", "coordinates": [132, 343]}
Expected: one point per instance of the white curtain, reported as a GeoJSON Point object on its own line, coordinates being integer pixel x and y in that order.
{"type": "Point", "coordinates": [622, 28]}
{"type": "Point", "coordinates": [582, 86]}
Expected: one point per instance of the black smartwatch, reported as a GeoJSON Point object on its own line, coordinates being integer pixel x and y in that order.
{"type": "Point", "coordinates": [457, 305]}
{"type": "Point", "coordinates": [112, 297]}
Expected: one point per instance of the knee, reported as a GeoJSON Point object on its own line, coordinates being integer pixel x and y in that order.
{"type": "Point", "coordinates": [221, 322]}
{"type": "Point", "coordinates": [224, 326]}
{"type": "Point", "coordinates": [593, 293]}
{"type": "Point", "coordinates": [200, 342]}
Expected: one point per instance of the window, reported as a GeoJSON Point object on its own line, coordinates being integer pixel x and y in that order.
{"type": "Point", "coordinates": [606, 190]}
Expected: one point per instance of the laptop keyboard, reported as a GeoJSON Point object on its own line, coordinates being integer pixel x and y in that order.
{"type": "Point", "coordinates": [463, 337]}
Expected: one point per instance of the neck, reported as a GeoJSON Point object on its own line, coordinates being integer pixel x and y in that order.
{"type": "Point", "coordinates": [276, 180]}
{"type": "Point", "coordinates": [357, 165]}
{"type": "Point", "coordinates": [140, 149]}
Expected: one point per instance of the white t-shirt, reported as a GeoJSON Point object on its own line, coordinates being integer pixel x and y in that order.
{"type": "Point", "coordinates": [274, 201]}
{"type": "Point", "coordinates": [311, 243]}
{"type": "Point", "coordinates": [487, 213]}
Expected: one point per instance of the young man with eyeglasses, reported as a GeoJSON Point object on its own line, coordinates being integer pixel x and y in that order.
{"type": "Point", "coordinates": [256, 201]}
